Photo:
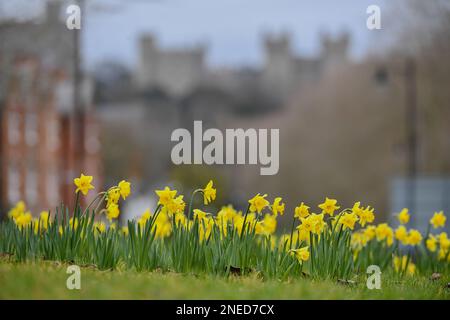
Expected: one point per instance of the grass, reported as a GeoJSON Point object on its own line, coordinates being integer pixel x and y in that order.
{"type": "Point", "coordinates": [47, 280]}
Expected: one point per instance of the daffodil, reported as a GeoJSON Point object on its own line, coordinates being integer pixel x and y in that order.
{"type": "Point", "coordinates": [403, 216]}
{"type": "Point", "coordinates": [414, 237]}
{"type": "Point", "coordinates": [307, 224]}
{"type": "Point", "coordinates": [259, 228]}
{"type": "Point", "coordinates": [227, 212]}
{"type": "Point", "coordinates": [124, 188]}
{"type": "Point", "coordinates": [370, 232]}
{"type": "Point", "coordinates": [277, 206]}
{"type": "Point", "coordinates": [124, 230]}
{"type": "Point", "coordinates": [165, 196]}
{"type": "Point", "coordinates": [83, 184]}
{"type": "Point", "coordinates": [401, 234]}
{"type": "Point", "coordinates": [176, 205]}
{"type": "Point", "coordinates": [402, 264]}
{"type": "Point", "coordinates": [348, 220]}
{"type": "Point", "coordinates": [112, 196]}
{"type": "Point", "coordinates": [112, 211]}
{"type": "Point", "coordinates": [200, 215]}
{"type": "Point", "coordinates": [302, 211]}
{"type": "Point", "coordinates": [162, 226]}
{"type": "Point", "coordinates": [258, 203]}
{"type": "Point", "coordinates": [209, 193]}
{"type": "Point", "coordinates": [302, 254]}
{"type": "Point", "coordinates": [358, 240]}
{"type": "Point", "coordinates": [317, 222]}
{"type": "Point", "coordinates": [366, 216]}
{"type": "Point", "coordinates": [44, 219]}
{"type": "Point", "coordinates": [99, 227]}
{"type": "Point", "coordinates": [444, 254]}
{"type": "Point", "coordinates": [180, 219]}
{"type": "Point", "coordinates": [23, 220]}
{"type": "Point", "coordinates": [329, 206]}
{"type": "Point", "coordinates": [17, 210]}
{"type": "Point", "coordinates": [384, 232]}
{"type": "Point", "coordinates": [444, 241]}
{"type": "Point", "coordinates": [431, 243]}
{"type": "Point", "coordinates": [438, 220]}
{"type": "Point", "coordinates": [270, 223]}
{"type": "Point", "coordinates": [205, 228]}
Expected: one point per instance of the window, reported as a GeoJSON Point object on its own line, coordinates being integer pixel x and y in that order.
{"type": "Point", "coordinates": [52, 188]}
{"type": "Point", "coordinates": [91, 142]}
{"type": "Point", "coordinates": [13, 184]}
{"type": "Point", "coordinates": [31, 186]}
{"type": "Point", "coordinates": [13, 128]}
{"type": "Point", "coordinates": [31, 129]}
{"type": "Point", "coordinates": [53, 135]}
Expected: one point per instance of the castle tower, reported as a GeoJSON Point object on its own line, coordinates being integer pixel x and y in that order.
{"type": "Point", "coordinates": [147, 71]}
{"type": "Point", "coordinates": [176, 71]}
{"type": "Point", "coordinates": [335, 50]}
{"type": "Point", "coordinates": [278, 64]}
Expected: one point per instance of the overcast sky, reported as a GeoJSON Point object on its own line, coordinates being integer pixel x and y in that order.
{"type": "Point", "coordinates": [231, 29]}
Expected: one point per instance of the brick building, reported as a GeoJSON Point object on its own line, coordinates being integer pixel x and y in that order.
{"type": "Point", "coordinates": [41, 149]}
{"type": "Point", "coordinates": [37, 149]}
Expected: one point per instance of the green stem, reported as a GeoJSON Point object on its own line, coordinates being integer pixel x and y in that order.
{"type": "Point", "coordinates": [93, 201]}
{"type": "Point", "coordinates": [191, 201]}
{"type": "Point", "coordinates": [292, 232]}
{"type": "Point", "coordinates": [245, 219]}
{"type": "Point", "coordinates": [77, 200]}
{"type": "Point", "coordinates": [100, 202]}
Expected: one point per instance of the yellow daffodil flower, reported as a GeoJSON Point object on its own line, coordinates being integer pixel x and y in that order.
{"type": "Point", "coordinates": [329, 206]}
{"type": "Point", "coordinates": [124, 188]}
{"type": "Point", "coordinates": [401, 234]}
{"type": "Point", "coordinates": [403, 216]}
{"type": "Point", "coordinates": [348, 220]}
{"type": "Point", "coordinates": [438, 220]}
{"type": "Point", "coordinates": [165, 196]}
{"type": "Point", "coordinates": [277, 206]}
{"type": "Point", "coordinates": [301, 254]}
{"type": "Point", "coordinates": [302, 211]}
{"type": "Point", "coordinates": [431, 243]}
{"type": "Point", "coordinates": [414, 237]}
{"type": "Point", "coordinates": [83, 184]}
{"type": "Point", "coordinates": [258, 203]}
{"type": "Point", "coordinates": [209, 193]}
{"type": "Point", "coordinates": [112, 211]}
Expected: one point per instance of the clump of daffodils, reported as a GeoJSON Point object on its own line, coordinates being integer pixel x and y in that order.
{"type": "Point", "coordinates": [316, 234]}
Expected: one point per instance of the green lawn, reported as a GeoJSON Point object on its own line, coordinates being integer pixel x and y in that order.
{"type": "Point", "coordinates": [48, 281]}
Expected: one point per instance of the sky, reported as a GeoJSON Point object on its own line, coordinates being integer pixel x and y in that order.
{"type": "Point", "coordinates": [231, 29]}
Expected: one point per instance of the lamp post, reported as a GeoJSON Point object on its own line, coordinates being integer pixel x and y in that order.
{"type": "Point", "coordinates": [411, 131]}
{"type": "Point", "coordinates": [409, 74]}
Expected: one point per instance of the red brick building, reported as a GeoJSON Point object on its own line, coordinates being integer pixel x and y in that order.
{"type": "Point", "coordinates": [40, 153]}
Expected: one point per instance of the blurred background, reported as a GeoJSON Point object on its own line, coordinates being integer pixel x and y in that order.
{"type": "Point", "coordinates": [363, 114]}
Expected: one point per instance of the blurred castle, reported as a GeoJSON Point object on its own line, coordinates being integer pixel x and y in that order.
{"type": "Point", "coordinates": [171, 87]}
{"type": "Point", "coordinates": [40, 152]}
{"type": "Point", "coordinates": [180, 71]}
